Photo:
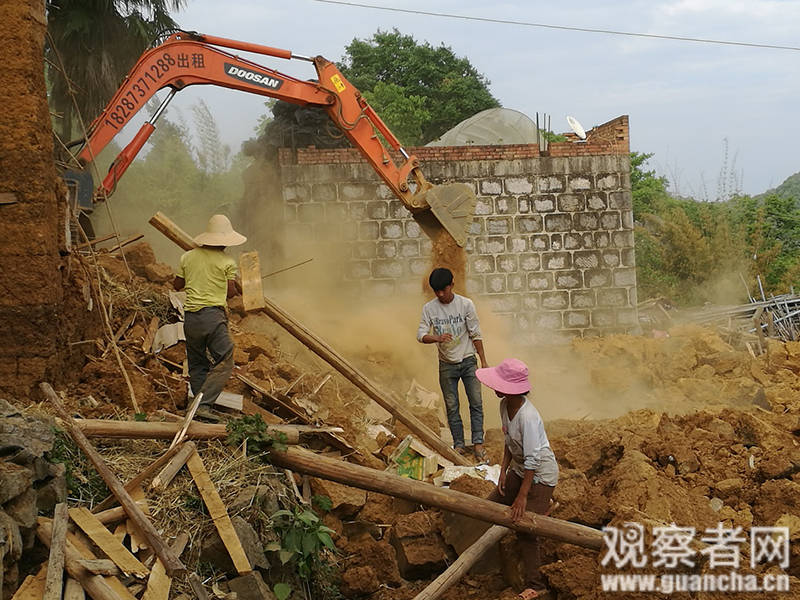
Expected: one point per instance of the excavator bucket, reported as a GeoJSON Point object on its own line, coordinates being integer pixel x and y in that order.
{"type": "Point", "coordinates": [451, 206]}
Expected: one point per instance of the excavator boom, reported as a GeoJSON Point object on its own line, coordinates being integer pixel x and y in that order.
{"type": "Point", "coordinates": [186, 59]}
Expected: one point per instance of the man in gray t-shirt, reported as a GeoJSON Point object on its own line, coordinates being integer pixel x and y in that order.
{"type": "Point", "coordinates": [450, 322]}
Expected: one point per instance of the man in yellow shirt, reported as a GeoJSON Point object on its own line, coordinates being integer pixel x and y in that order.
{"type": "Point", "coordinates": [209, 277]}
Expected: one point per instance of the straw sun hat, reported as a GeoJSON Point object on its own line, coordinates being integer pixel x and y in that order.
{"type": "Point", "coordinates": [219, 232]}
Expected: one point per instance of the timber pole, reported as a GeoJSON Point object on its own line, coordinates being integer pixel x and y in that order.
{"type": "Point", "coordinates": [365, 478]}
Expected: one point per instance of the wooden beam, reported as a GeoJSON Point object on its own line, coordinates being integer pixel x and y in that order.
{"type": "Point", "coordinates": [250, 274]}
{"type": "Point", "coordinates": [139, 479]}
{"type": "Point", "coordinates": [137, 538]}
{"type": "Point", "coordinates": [197, 586]}
{"type": "Point", "coordinates": [106, 541]}
{"type": "Point", "coordinates": [33, 586]}
{"type": "Point", "coordinates": [308, 462]}
{"type": "Point", "coordinates": [99, 240]}
{"type": "Point", "coordinates": [80, 543]}
{"type": "Point", "coordinates": [150, 335]}
{"type": "Point", "coordinates": [219, 514]}
{"type": "Point", "coordinates": [100, 566]}
{"type": "Point", "coordinates": [251, 408]}
{"type": "Point", "coordinates": [159, 582]}
{"type": "Point", "coordinates": [163, 479]}
{"type": "Point", "coordinates": [98, 586]}
{"type": "Point", "coordinates": [125, 242]}
{"type": "Point", "coordinates": [55, 564]}
{"type": "Point", "coordinates": [164, 430]}
{"type": "Point", "coordinates": [388, 400]}
{"type": "Point", "coordinates": [463, 564]}
{"type": "Point", "coordinates": [73, 590]}
{"type": "Point", "coordinates": [168, 227]}
{"type": "Point", "coordinates": [113, 515]}
{"type": "Point", "coordinates": [173, 565]}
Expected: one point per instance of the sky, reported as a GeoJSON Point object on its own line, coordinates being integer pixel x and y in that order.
{"type": "Point", "coordinates": [686, 101]}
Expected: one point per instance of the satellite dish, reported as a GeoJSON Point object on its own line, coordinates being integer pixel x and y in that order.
{"type": "Point", "coordinates": [576, 127]}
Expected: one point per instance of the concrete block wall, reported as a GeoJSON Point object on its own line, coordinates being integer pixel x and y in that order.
{"type": "Point", "coordinates": [550, 247]}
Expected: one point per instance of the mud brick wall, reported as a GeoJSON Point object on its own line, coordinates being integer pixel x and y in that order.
{"type": "Point", "coordinates": [550, 248]}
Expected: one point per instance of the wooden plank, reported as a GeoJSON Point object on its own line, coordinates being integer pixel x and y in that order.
{"type": "Point", "coordinates": [125, 242]}
{"type": "Point", "coordinates": [100, 587]}
{"type": "Point", "coordinates": [150, 335]}
{"type": "Point", "coordinates": [104, 540]}
{"type": "Point", "coordinates": [159, 582]}
{"type": "Point", "coordinates": [95, 241]}
{"type": "Point", "coordinates": [174, 566]}
{"type": "Point", "coordinates": [187, 420]}
{"type": "Point", "coordinates": [229, 400]}
{"type": "Point", "coordinates": [33, 586]}
{"type": "Point", "coordinates": [73, 590]}
{"type": "Point", "coordinates": [218, 513]}
{"type": "Point", "coordinates": [55, 564]}
{"type": "Point", "coordinates": [152, 468]}
{"type": "Point", "coordinates": [251, 408]}
{"type": "Point", "coordinates": [112, 515]}
{"type": "Point", "coordinates": [250, 273]}
{"type": "Point", "coordinates": [100, 566]}
{"type": "Point", "coordinates": [197, 586]}
{"type": "Point", "coordinates": [121, 530]}
{"type": "Point", "coordinates": [163, 479]}
{"type": "Point", "coordinates": [168, 227]}
{"type": "Point", "coordinates": [138, 540]}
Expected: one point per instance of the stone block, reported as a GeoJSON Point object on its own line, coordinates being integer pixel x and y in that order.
{"type": "Point", "coordinates": [610, 258]}
{"type": "Point", "coordinates": [602, 239]}
{"type": "Point", "coordinates": [548, 320]}
{"type": "Point", "coordinates": [551, 183]}
{"type": "Point", "coordinates": [609, 181]}
{"type": "Point", "coordinates": [358, 191]}
{"type": "Point", "coordinates": [622, 239]}
{"type": "Point", "coordinates": [476, 226]}
{"type": "Point", "coordinates": [212, 549]}
{"type": "Point", "coordinates": [324, 192]}
{"type": "Point", "coordinates": [348, 231]}
{"type": "Point", "coordinates": [558, 222]}
{"type": "Point", "coordinates": [544, 204]}
{"type": "Point", "coordinates": [491, 187]}
{"type": "Point", "coordinates": [518, 185]}
{"type": "Point", "coordinates": [503, 303]}
{"type": "Point", "coordinates": [620, 200]}
{"type": "Point", "coordinates": [572, 241]}
{"type": "Point", "coordinates": [585, 221]}
{"type": "Point", "coordinates": [412, 229]}
{"type": "Point", "coordinates": [586, 259]}
{"type": "Point", "coordinates": [597, 201]}
{"type": "Point", "coordinates": [378, 210]}
{"type": "Point", "coordinates": [336, 212]}
{"type": "Point", "coordinates": [625, 277]}
{"type": "Point", "coordinates": [408, 248]}
{"type": "Point", "coordinates": [568, 280]}
{"type": "Point", "coordinates": [368, 230]}
{"type": "Point", "coordinates": [555, 300]}
{"type": "Point", "coordinates": [576, 318]}
{"type": "Point", "coordinates": [556, 241]}
{"type": "Point", "coordinates": [385, 192]}
{"type": "Point", "coordinates": [481, 264]}
{"type": "Point", "coordinates": [530, 262]}
{"type": "Point", "coordinates": [296, 192]}
{"type": "Point", "coordinates": [524, 205]}
{"type": "Point", "coordinates": [505, 205]}
{"type": "Point", "coordinates": [540, 281]}
{"type": "Point", "coordinates": [475, 285]}
{"type": "Point", "coordinates": [311, 213]}
{"type": "Point", "coordinates": [570, 203]}
{"type": "Point", "coordinates": [387, 269]}
{"type": "Point", "coordinates": [397, 209]}
{"type": "Point", "coordinates": [628, 317]}
{"type": "Point", "coordinates": [579, 183]}
{"type": "Point", "coordinates": [385, 249]}
{"type": "Point", "coordinates": [483, 207]}
{"type": "Point", "coordinates": [495, 284]}
{"type": "Point", "coordinates": [627, 220]}
{"type": "Point", "coordinates": [14, 480]}
{"type": "Point", "coordinates": [499, 225]}
{"type": "Point", "coordinates": [345, 501]}
{"type": "Point", "coordinates": [517, 244]}
{"type": "Point", "coordinates": [391, 230]}
{"type": "Point", "coordinates": [50, 494]}
{"type": "Point", "coordinates": [610, 221]}
{"type": "Point", "coordinates": [587, 240]}
{"type": "Point", "coordinates": [358, 269]}
{"type": "Point", "coordinates": [421, 551]}
{"type": "Point", "coordinates": [540, 242]}
{"type": "Point", "coordinates": [552, 261]}
{"type": "Point", "coordinates": [251, 587]}
{"type": "Point", "coordinates": [612, 297]}
{"type": "Point", "coordinates": [364, 250]}
{"type": "Point", "coordinates": [581, 298]}
{"type": "Point", "coordinates": [357, 210]}
{"type": "Point", "coordinates": [603, 318]}
{"type": "Point", "coordinates": [419, 266]}
{"type": "Point", "coordinates": [23, 508]}
{"type": "Point", "coordinates": [627, 257]}
{"type": "Point", "coordinates": [528, 224]}
{"type": "Point", "coordinates": [289, 213]}
{"type": "Point", "coordinates": [530, 301]}
{"type": "Point", "coordinates": [380, 288]}
{"type": "Point", "coordinates": [516, 282]}
{"type": "Point", "coordinates": [507, 263]}
{"type": "Point", "coordinates": [596, 278]}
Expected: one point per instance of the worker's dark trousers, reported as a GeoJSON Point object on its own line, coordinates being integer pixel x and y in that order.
{"type": "Point", "coordinates": [539, 502]}
{"type": "Point", "coordinates": [207, 334]}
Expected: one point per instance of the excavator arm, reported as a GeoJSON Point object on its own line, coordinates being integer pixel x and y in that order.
{"type": "Point", "coordinates": [186, 59]}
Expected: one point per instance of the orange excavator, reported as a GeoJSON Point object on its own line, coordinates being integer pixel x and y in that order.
{"type": "Point", "coordinates": [188, 58]}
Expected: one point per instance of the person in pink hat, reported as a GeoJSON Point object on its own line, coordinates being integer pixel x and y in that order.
{"type": "Point", "coordinates": [529, 471]}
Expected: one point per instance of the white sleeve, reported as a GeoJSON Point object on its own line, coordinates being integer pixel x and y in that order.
{"type": "Point", "coordinates": [531, 444]}
{"type": "Point", "coordinates": [424, 325]}
{"type": "Point", "coordinates": [471, 321]}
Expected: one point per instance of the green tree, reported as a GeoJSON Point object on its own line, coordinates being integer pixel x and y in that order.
{"type": "Point", "coordinates": [404, 113]}
{"type": "Point", "coordinates": [452, 86]}
{"type": "Point", "coordinates": [97, 41]}
{"type": "Point", "coordinates": [648, 189]}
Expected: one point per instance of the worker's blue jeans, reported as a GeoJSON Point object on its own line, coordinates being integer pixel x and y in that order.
{"type": "Point", "coordinates": [207, 337]}
{"type": "Point", "coordinates": [449, 375]}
